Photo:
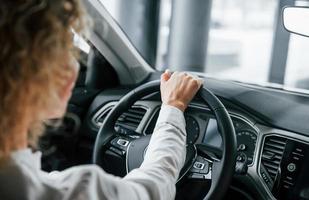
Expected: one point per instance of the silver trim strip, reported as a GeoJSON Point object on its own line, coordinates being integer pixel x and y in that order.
{"type": "Point", "coordinates": [101, 112]}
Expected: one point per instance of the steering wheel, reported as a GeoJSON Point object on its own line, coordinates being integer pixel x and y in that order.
{"type": "Point", "coordinates": [219, 170]}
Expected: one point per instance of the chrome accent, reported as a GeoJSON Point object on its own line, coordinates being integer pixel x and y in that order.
{"type": "Point", "coordinates": [127, 157]}
{"type": "Point", "coordinates": [208, 176]}
{"type": "Point", "coordinates": [106, 108]}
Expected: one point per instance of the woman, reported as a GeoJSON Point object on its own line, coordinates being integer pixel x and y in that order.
{"type": "Point", "coordinates": [37, 75]}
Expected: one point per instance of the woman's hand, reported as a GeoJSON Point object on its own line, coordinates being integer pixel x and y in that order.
{"type": "Point", "coordinates": [179, 88]}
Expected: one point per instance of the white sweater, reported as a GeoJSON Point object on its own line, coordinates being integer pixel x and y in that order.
{"type": "Point", "coordinates": [155, 179]}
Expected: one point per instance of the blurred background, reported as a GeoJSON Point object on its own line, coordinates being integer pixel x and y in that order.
{"type": "Point", "coordinates": [238, 40]}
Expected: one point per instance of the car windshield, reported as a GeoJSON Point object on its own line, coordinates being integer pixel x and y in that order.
{"type": "Point", "coordinates": [240, 40]}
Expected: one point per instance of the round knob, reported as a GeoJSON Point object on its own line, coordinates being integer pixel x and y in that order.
{"type": "Point", "coordinates": [240, 158]}
{"type": "Point", "coordinates": [242, 147]}
{"type": "Point", "coordinates": [291, 167]}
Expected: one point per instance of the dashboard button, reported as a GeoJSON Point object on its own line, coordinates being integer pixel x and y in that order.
{"type": "Point", "coordinates": [241, 157]}
{"type": "Point", "coordinates": [291, 167]}
{"type": "Point", "coordinates": [242, 147]}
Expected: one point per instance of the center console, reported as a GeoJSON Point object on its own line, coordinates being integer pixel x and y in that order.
{"type": "Point", "coordinates": [285, 167]}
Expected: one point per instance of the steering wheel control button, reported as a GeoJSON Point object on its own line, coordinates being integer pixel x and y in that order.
{"type": "Point", "coordinates": [196, 176]}
{"type": "Point", "coordinates": [206, 168]}
{"type": "Point", "coordinates": [120, 143]}
{"type": "Point", "coordinates": [117, 151]}
{"type": "Point", "coordinates": [123, 142]}
{"type": "Point", "coordinates": [291, 167]}
{"type": "Point", "coordinates": [199, 165]}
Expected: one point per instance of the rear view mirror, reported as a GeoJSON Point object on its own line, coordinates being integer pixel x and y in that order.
{"type": "Point", "coordinates": [296, 20]}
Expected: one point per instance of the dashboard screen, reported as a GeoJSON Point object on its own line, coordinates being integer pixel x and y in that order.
{"type": "Point", "coordinates": [212, 136]}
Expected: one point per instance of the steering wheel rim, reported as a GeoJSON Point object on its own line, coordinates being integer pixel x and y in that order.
{"type": "Point", "coordinates": [223, 170]}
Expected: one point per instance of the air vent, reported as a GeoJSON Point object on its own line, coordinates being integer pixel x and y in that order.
{"type": "Point", "coordinates": [100, 119]}
{"type": "Point", "coordinates": [132, 118]}
{"type": "Point", "coordinates": [272, 154]}
{"type": "Point", "coordinates": [129, 119]}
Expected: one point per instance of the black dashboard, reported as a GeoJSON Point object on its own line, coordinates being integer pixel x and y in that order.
{"type": "Point", "coordinates": [275, 154]}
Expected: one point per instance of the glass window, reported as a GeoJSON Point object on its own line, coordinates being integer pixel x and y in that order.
{"type": "Point", "coordinates": [240, 40]}
{"type": "Point", "coordinates": [138, 20]}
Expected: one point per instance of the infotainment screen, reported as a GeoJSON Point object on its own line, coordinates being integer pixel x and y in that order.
{"type": "Point", "coordinates": [212, 136]}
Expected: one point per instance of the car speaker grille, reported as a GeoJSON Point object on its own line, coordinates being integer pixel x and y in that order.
{"type": "Point", "coordinates": [272, 154]}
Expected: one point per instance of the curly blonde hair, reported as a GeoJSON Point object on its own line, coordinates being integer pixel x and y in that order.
{"type": "Point", "coordinates": [36, 43]}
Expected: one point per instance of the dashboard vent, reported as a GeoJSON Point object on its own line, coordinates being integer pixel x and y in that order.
{"type": "Point", "coordinates": [132, 118]}
{"type": "Point", "coordinates": [100, 119]}
{"type": "Point", "coordinates": [129, 119]}
{"type": "Point", "coordinates": [272, 154]}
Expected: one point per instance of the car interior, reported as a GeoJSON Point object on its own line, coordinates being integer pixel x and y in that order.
{"type": "Point", "coordinates": [247, 128]}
